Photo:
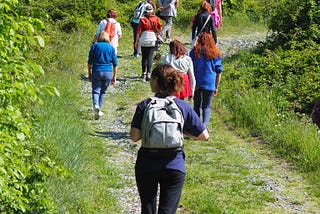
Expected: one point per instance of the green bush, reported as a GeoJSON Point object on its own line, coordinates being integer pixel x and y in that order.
{"type": "Point", "coordinates": [23, 166]}
{"type": "Point", "coordinates": [295, 22]}
{"type": "Point", "coordinates": [293, 74]}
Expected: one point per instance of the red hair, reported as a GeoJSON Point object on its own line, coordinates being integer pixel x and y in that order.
{"type": "Point", "coordinates": [177, 49]}
{"type": "Point", "coordinates": [206, 44]}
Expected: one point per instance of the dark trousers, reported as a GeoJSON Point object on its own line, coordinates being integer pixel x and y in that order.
{"type": "Point", "coordinates": [147, 57]}
{"type": "Point", "coordinates": [202, 100]}
{"type": "Point", "coordinates": [134, 29]}
{"type": "Point", "coordinates": [171, 183]}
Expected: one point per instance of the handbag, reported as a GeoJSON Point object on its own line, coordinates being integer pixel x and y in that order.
{"type": "Point", "coordinates": [159, 40]}
{"type": "Point", "coordinates": [194, 41]}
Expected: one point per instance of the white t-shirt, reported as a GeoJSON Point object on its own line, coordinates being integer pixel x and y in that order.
{"type": "Point", "coordinates": [183, 64]}
{"type": "Point", "coordinates": [102, 26]}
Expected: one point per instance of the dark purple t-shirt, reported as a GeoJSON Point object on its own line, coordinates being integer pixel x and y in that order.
{"type": "Point", "coordinates": [192, 125]}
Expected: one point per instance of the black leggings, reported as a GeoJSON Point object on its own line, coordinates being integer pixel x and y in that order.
{"type": "Point", "coordinates": [171, 183]}
{"type": "Point", "coordinates": [147, 57]}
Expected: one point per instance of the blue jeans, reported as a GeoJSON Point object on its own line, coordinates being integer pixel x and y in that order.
{"type": "Point", "coordinates": [171, 183]}
{"type": "Point", "coordinates": [100, 83]}
{"type": "Point", "coordinates": [202, 101]}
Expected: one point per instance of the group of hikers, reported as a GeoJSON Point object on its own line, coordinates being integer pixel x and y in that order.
{"type": "Point", "coordinates": [161, 121]}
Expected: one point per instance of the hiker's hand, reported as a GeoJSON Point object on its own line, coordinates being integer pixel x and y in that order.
{"type": "Point", "coordinates": [215, 93]}
{"type": "Point", "coordinates": [113, 81]}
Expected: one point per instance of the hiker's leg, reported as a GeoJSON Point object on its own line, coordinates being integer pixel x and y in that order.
{"type": "Point", "coordinates": [167, 27]}
{"type": "Point", "coordinates": [171, 184]}
{"type": "Point", "coordinates": [147, 184]}
{"type": "Point", "coordinates": [144, 59]}
{"type": "Point", "coordinates": [107, 77]}
{"type": "Point", "coordinates": [150, 59]}
{"type": "Point", "coordinates": [134, 29]}
{"type": "Point", "coordinates": [169, 24]}
{"type": "Point", "coordinates": [206, 106]}
{"type": "Point", "coordinates": [197, 101]}
{"type": "Point", "coordinates": [96, 88]}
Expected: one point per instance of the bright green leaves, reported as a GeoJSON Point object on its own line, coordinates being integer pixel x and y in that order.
{"type": "Point", "coordinates": [22, 168]}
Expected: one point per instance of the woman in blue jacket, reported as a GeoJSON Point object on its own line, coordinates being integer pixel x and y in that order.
{"type": "Point", "coordinates": [207, 65]}
{"type": "Point", "coordinates": [102, 61]}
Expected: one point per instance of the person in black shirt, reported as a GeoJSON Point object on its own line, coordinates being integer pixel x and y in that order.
{"type": "Point", "coordinates": [200, 19]}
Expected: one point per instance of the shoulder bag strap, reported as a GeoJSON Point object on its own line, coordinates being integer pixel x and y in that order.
{"type": "Point", "coordinates": [204, 24]}
{"type": "Point", "coordinates": [154, 30]}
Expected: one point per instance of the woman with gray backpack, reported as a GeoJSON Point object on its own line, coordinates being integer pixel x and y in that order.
{"type": "Point", "coordinates": [160, 122]}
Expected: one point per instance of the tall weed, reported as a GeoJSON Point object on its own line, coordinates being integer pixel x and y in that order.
{"type": "Point", "coordinates": [293, 137]}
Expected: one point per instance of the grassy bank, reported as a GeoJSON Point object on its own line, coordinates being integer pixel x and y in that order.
{"type": "Point", "coordinates": [82, 187]}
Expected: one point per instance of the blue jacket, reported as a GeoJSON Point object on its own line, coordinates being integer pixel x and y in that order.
{"type": "Point", "coordinates": [102, 57]}
{"type": "Point", "coordinates": [205, 71]}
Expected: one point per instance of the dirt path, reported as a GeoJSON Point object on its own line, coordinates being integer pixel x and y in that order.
{"type": "Point", "coordinates": [286, 185]}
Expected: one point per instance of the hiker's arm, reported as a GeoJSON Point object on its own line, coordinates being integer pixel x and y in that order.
{"type": "Point", "coordinates": [89, 72]}
{"type": "Point", "coordinates": [204, 135]}
{"type": "Point", "coordinates": [95, 39]}
{"type": "Point", "coordinates": [114, 78]}
{"type": "Point", "coordinates": [177, 3]}
{"type": "Point", "coordinates": [137, 40]}
{"type": "Point", "coordinates": [218, 78]}
{"type": "Point", "coordinates": [135, 134]}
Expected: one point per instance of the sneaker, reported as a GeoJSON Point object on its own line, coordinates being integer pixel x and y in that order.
{"type": "Point", "coordinates": [147, 77]}
{"type": "Point", "coordinates": [168, 40]}
{"type": "Point", "coordinates": [137, 55]}
{"type": "Point", "coordinates": [100, 113]}
{"type": "Point", "coordinates": [96, 113]}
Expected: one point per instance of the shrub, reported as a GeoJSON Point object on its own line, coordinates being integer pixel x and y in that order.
{"type": "Point", "coordinates": [23, 166]}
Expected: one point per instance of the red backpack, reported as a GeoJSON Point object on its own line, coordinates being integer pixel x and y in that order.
{"type": "Point", "coordinates": [111, 29]}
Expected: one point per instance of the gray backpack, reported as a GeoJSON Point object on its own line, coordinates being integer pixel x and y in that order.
{"type": "Point", "coordinates": [137, 13]}
{"type": "Point", "coordinates": [162, 124]}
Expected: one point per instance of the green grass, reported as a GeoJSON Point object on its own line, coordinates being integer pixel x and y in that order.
{"type": "Point", "coordinates": [83, 189]}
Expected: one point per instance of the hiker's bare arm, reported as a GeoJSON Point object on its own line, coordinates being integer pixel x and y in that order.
{"type": "Point", "coordinates": [95, 39]}
{"type": "Point", "coordinates": [203, 136]}
{"type": "Point", "coordinates": [135, 134]}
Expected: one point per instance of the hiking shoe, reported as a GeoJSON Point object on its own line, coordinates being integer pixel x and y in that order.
{"type": "Point", "coordinates": [143, 76]}
{"type": "Point", "coordinates": [148, 77]}
{"type": "Point", "coordinates": [97, 113]}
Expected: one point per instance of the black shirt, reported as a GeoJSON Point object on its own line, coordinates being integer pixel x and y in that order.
{"type": "Point", "coordinates": [199, 21]}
